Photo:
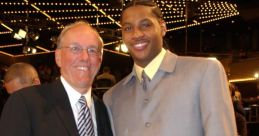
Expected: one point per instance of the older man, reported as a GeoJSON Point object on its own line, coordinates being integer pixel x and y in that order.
{"type": "Point", "coordinates": [65, 107]}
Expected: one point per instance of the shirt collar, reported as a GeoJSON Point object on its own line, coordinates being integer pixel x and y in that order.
{"type": "Point", "coordinates": [152, 67]}
{"type": "Point", "coordinates": [73, 95]}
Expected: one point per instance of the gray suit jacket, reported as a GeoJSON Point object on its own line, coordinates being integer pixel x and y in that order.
{"type": "Point", "coordinates": [188, 96]}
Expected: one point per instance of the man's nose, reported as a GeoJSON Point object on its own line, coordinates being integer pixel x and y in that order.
{"type": "Point", "coordinates": [84, 54]}
{"type": "Point", "coordinates": [137, 33]}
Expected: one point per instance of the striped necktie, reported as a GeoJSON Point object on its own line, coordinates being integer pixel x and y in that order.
{"type": "Point", "coordinates": [85, 123]}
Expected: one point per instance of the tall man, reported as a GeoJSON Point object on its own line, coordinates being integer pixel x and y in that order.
{"type": "Point", "coordinates": [20, 75]}
{"type": "Point", "coordinates": [177, 96]}
{"type": "Point", "coordinates": [64, 107]}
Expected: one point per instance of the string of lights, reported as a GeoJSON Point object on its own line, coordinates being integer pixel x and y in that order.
{"type": "Point", "coordinates": [207, 10]}
{"type": "Point", "coordinates": [104, 14]}
{"type": "Point", "coordinates": [44, 13]}
{"type": "Point", "coordinates": [56, 11]}
{"type": "Point", "coordinates": [5, 32]}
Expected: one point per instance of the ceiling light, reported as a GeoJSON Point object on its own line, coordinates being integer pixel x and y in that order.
{"type": "Point", "coordinates": [34, 36]}
{"type": "Point", "coordinates": [124, 48]}
{"type": "Point", "coordinates": [20, 34]}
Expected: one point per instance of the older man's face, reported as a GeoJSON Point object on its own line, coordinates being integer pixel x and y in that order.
{"type": "Point", "coordinates": [79, 68]}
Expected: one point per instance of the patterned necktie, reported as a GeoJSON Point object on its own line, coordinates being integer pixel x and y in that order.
{"type": "Point", "coordinates": [145, 80]}
{"type": "Point", "coordinates": [85, 124]}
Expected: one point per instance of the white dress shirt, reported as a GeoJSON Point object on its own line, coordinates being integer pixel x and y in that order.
{"type": "Point", "coordinates": [152, 67]}
{"type": "Point", "coordinates": [74, 96]}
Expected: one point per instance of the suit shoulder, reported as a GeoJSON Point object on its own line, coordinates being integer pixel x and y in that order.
{"type": "Point", "coordinates": [33, 89]}
{"type": "Point", "coordinates": [115, 89]}
{"type": "Point", "coordinates": [120, 83]}
{"type": "Point", "coordinates": [198, 61]}
{"type": "Point", "coordinates": [34, 93]}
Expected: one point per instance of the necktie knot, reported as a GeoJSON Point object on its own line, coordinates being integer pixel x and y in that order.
{"type": "Point", "coordinates": [82, 101]}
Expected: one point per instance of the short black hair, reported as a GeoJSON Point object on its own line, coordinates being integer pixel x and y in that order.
{"type": "Point", "coordinates": [150, 3]}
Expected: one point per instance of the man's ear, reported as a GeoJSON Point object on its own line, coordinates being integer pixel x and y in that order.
{"type": "Point", "coordinates": [163, 27]}
{"type": "Point", "coordinates": [36, 81]}
{"type": "Point", "coordinates": [58, 57]}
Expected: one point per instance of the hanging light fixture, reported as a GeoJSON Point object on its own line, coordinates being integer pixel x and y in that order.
{"type": "Point", "coordinates": [122, 47]}
{"type": "Point", "coordinates": [19, 34]}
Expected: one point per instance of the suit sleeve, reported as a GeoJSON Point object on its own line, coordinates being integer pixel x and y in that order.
{"type": "Point", "coordinates": [215, 102]}
{"type": "Point", "coordinates": [15, 118]}
{"type": "Point", "coordinates": [107, 102]}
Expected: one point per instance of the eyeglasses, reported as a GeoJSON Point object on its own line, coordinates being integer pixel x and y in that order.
{"type": "Point", "coordinates": [78, 50]}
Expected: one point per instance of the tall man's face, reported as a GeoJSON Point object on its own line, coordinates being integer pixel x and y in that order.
{"type": "Point", "coordinates": [143, 33]}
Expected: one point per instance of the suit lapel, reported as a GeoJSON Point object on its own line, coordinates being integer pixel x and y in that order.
{"type": "Point", "coordinates": [62, 106]}
{"type": "Point", "coordinates": [169, 62]}
{"type": "Point", "coordinates": [167, 66]}
{"type": "Point", "coordinates": [97, 114]}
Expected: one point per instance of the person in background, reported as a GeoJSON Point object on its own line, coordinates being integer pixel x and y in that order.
{"type": "Point", "coordinates": [20, 75]}
{"type": "Point", "coordinates": [239, 111]}
{"type": "Point", "coordinates": [166, 94]}
{"type": "Point", "coordinates": [17, 76]}
{"type": "Point", "coordinates": [107, 75]}
{"type": "Point", "coordinates": [64, 107]}
{"type": "Point", "coordinates": [237, 95]}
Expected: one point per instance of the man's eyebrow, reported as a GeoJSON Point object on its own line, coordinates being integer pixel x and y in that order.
{"type": "Point", "coordinates": [75, 43]}
{"type": "Point", "coordinates": [126, 23]}
{"type": "Point", "coordinates": [145, 19]}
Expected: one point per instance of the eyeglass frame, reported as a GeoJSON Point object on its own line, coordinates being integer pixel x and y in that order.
{"type": "Point", "coordinates": [77, 49]}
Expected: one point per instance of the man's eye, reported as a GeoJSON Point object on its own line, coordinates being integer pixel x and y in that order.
{"type": "Point", "coordinates": [127, 28]}
{"type": "Point", "coordinates": [75, 49]}
{"type": "Point", "coordinates": [93, 50]}
{"type": "Point", "coordinates": [146, 25]}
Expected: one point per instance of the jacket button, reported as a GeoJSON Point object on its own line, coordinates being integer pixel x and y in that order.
{"type": "Point", "coordinates": [146, 100]}
{"type": "Point", "coordinates": [147, 124]}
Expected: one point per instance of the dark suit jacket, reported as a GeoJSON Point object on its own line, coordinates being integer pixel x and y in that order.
{"type": "Point", "coordinates": [45, 111]}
